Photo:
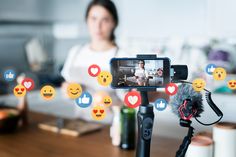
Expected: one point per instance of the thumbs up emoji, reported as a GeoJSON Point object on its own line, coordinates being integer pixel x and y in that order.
{"type": "Point", "coordinates": [210, 68]}
{"type": "Point", "coordinates": [9, 75]}
{"type": "Point", "coordinates": [160, 104]}
{"type": "Point", "coordinates": [84, 100]}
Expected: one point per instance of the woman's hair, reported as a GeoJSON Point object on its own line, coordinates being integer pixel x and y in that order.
{"type": "Point", "coordinates": [142, 61]}
{"type": "Point", "coordinates": [110, 7]}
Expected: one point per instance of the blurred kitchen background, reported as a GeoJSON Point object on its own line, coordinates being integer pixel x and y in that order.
{"type": "Point", "coordinates": [36, 35]}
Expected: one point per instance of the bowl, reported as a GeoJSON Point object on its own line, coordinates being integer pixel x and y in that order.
{"type": "Point", "coordinates": [9, 119]}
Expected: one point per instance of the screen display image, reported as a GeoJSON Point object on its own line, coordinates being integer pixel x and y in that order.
{"type": "Point", "coordinates": [138, 73]}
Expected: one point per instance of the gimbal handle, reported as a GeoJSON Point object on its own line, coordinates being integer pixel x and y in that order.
{"type": "Point", "coordinates": [145, 120]}
{"type": "Point", "coordinates": [145, 124]}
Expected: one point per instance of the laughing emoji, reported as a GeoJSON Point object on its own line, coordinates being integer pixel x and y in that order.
{"type": "Point", "coordinates": [74, 90]}
{"type": "Point", "coordinates": [107, 101]}
{"type": "Point", "coordinates": [219, 74]}
{"type": "Point", "coordinates": [47, 92]}
{"type": "Point", "coordinates": [98, 112]}
{"type": "Point", "coordinates": [19, 91]}
{"type": "Point", "coordinates": [198, 85]}
{"type": "Point", "coordinates": [104, 78]}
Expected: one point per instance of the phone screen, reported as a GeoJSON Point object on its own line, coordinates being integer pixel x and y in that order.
{"type": "Point", "coordinates": [137, 73]}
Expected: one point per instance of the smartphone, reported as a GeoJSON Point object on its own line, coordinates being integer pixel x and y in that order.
{"type": "Point", "coordinates": [140, 73]}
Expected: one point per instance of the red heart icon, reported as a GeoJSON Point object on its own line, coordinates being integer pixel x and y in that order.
{"type": "Point", "coordinates": [171, 89]}
{"type": "Point", "coordinates": [132, 99]}
{"type": "Point", "coordinates": [95, 111]}
{"type": "Point", "coordinates": [94, 70]}
{"type": "Point", "coordinates": [101, 111]}
{"type": "Point", "coordinates": [22, 89]}
{"type": "Point", "coordinates": [28, 83]}
{"type": "Point", "coordinates": [17, 89]}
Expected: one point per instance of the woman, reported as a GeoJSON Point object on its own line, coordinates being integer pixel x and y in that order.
{"type": "Point", "coordinates": [102, 20]}
{"type": "Point", "coordinates": [141, 74]}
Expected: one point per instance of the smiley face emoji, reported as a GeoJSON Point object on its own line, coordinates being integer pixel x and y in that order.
{"type": "Point", "coordinates": [47, 92]}
{"type": "Point", "coordinates": [198, 84]}
{"type": "Point", "coordinates": [19, 91]}
{"type": "Point", "coordinates": [98, 112]}
{"type": "Point", "coordinates": [104, 78]}
{"type": "Point", "coordinates": [232, 84]}
{"type": "Point", "coordinates": [107, 101]}
{"type": "Point", "coordinates": [74, 90]}
{"type": "Point", "coordinates": [219, 74]}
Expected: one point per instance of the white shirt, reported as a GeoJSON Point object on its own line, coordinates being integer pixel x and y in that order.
{"type": "Point", "coordinates": [78, 61]}
{"type": "Point", "coordinates": [141, 73]}
{"type": "Point", "coordinates": [76, 70]}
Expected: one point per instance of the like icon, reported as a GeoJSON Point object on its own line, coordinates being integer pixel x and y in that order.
{"type": "Point", "coordinates": [132, 99]}
{"type": "Point", "coordinates": [85, 100]}
{"type": "Point", "coordinates": [9, 75]}
{"type": "Point", "coordinates": [161, 104]}
{"type": "Point", "coordinates": [171, 89]}
{"type": "Point", "coordinates": [210, 68]}
{"type": "Point", "coordinates": [94, 70]}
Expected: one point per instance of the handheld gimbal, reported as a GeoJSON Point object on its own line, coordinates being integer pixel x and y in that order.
{"type": "Point", "coordinates": [145, 114]}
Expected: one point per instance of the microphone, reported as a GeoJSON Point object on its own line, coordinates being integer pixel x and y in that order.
{"type": "Point", "coordinates": [186, 104]}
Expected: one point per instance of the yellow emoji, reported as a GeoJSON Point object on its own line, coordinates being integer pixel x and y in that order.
{"type": "Point", "coordinates": [219, 74]}
{"type": "Point", "coordinates": [107, 101]}
{"type": "Point", "coordinates": [104, 78]}
{"type": "Point", "coordinates": [47, 92]}
{"type": "Point", "coordinates": [74, 90]}
{"type": "Point", "coordinates": [98, 112]}
{"type": "Point", "coordinates": [19, 91]}
{"type": "Point", "coordinates": [198, 84]}
{"type": "Point", "coordinates": [232, 84]}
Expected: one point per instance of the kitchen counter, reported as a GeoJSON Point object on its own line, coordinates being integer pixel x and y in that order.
{"type": "Point", "coordinates": [31, 141]}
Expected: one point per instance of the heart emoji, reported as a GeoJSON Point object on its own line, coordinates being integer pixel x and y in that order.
{"type": "Point", "coordinates": [95, 111]}
{"type": "Point", "coordinates": [132, 99]}
{"type": "Point", "coordinates": [27, 85]}
{"type": "Point", "coordinates": [94, 70]}
{"type": "Point", "coordinates": [171, 89]}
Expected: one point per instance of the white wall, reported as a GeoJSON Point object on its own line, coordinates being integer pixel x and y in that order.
{"type": "Point", "coordinates": [182, 18]}
{"type": "Point", "coordinates": [221, 18]}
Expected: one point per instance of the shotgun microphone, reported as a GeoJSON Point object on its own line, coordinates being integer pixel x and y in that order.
{"type": "Point", "coordinates": [188, 104]}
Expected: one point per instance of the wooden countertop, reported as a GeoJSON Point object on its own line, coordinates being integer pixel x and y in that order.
{"type": "Point", "coordinates": [33, 142]}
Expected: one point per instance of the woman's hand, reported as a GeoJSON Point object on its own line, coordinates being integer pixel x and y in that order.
{"type": "Point", "coordinates": [22, 103]}
{"type": "Point", "coordinates": [22, 100]}
{"type": "Point", "coordinates": [64, 87]}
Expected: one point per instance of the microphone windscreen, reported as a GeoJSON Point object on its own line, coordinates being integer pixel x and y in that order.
{"type": "Point", "coordinates": [186, 92]}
